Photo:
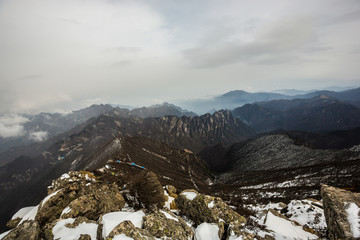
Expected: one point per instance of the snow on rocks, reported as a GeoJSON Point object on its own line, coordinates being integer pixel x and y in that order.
{"type": "Point", "coordinates": [22, 212]}
{"type": "Point", "coordinates": [308, 213]}
{"type": "Point", "coordinates": [62, 231]}
{"type": "Point", "coordinates": [2, 235]}
{"type": "Point", "coordinates": [353, 216]}
{"type": "Point", "coordinates": [168, 216]}
{"type": "Point", "coordinates": [207, 231]}
{"type": "Point", "coordinates": [170, 201]}
{"type": "Point", "coordinates": [48, 197]}
{"type": "Point", "coordinates": [285, 229]}
{"type": "Point", "coordinates": [189, 195]}
{"type": "Point", "coordinates": [30, 215]}
{"type": "Point", "coordinates": [122, 237]}
{"type": "Point", "coordinates": [111, 220]}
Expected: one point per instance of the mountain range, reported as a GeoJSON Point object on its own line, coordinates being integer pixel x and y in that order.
{"type": "Point", "coordinates": [275, 150]}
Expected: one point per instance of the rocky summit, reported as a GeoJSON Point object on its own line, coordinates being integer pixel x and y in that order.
{"type": "Point", "coordinates": [117, 203]}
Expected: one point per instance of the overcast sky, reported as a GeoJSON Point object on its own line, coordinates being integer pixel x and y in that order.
{"type": "Point", "coordinates": [58, 55]}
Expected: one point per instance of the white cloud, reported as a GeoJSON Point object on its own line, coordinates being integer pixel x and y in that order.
{"type": "Point", "coordinates": [11, 125]}
{"type": "Point", "coordinates": [38, 136]}
{"type": "Point", "coordinates": [58, 54]}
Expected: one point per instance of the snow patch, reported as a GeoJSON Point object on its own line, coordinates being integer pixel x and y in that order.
{"type": "Point", "coordinates": [168, 216]}
{"type": "Point", "coordinates": [207, 231]}
{"type": "Point", "coordinates": [30, 215]}
{"type": "Point", "coordinates": [169, 201]}
{"type": "Point", "coordinates": [211, 204]}
{"type": "Point", "coordinates": [48, 198]}
{"type": "Point", "coordinates": [111, 220]}
{"type": "Point", "coordinates": [122, 237]}
{"type": "Point", "coordinates": [65, 211]}
{"type": "Point", "coordinates": [353, 211]}
{"type": "Point", "coordinates": [62, 232]}
{"type": "Point", "coordinates": [285, 229]}
{"type": "Point", "coordinates": [22, 212]}
{"type": "Point", "coordinates": [64, 176]}
{"type": "Point", "coordinates": [189, 195]}
{"type": "Point", "coordinates": [2, 235]}
{"type": "Point", "coordinates": [307, 213]}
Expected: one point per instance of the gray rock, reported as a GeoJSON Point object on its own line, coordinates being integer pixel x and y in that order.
{"type": "Point", "coordinates": [336, 201]}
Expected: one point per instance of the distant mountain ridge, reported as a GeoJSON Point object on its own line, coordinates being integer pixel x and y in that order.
{"type": "Point", "coordinates": [238, 98]}
{"type": "Point", "coordinates": [48, 125]}
{"type": "Point", "coordinates": [321, 113]}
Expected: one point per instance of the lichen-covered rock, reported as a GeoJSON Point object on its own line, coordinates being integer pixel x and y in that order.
{"type": "Point", "coordinates": [79, 197]}
{"type": "Point", "coordinates": [27, 230]}
{"type": "Point", "coordinates": [95, 200]}
{"type": "Point", "coordinates": [84, 237]}
{"type": "Point", "coordinates": [164, 224]}
{"type": "Point", "coordinates": [337, 203]}
{"type": "Point", "coordinates": [128, 229]}
{"type": "Point", "coordinates": [51, 207]}
{"type": "Point", "coordinates": [81, 177]}
{"type": "Point", "coordinates": [203, 208]}
{"type": "Point", "coordinates": [13, 222]}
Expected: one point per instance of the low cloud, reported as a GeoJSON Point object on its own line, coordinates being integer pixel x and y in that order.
{"type": "Point", "coordinates": [12, 125]}
{"type": "Point", "coordinates": [38, 136]}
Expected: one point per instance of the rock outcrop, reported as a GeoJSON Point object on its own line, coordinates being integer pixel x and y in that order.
{"type": "Point", "coordinates": [78, 194]}
{"type": "Point", "coordinates": [27, 230]}
{"type": "Point", "coordinates": [162, 224]}
{"type": "Point", "coordinates": [203, 208]}
{"type": "Point", "coordinates": [128, 229]}
{"type": "Point", "coordinates": [342, 212]}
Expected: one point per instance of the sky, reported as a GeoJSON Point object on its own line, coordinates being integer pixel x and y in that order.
{"type": "Point", "coordinates": [59, 55]}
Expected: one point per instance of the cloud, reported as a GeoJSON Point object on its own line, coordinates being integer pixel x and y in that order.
{"type": "Point", "coordinates": [38, 136]}
{"type": "Point", "coordinates": [11, 125]}
{"type": "Point", "coordinates": [276, 44]}
{"type": "Point", "coordinates": [57, 54]}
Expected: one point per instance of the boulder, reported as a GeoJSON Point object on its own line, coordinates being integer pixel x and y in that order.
{"type": "Point", "coordinates": [203, 208]}
{"type": "Point", "coordinates": [81, 177]}
{"type": "Point", "coordinates": [342, 212]}
{"type": "Point", "coordinates": [164, 224]}
{"type": "Point", "coordinates": [94, 201]}
{"type": "Point", "coordinates": [27, 230]}
{"type": "Point", "coordinates": [128, 229]}
{"type": "Point", "coordinates": [79, 195]}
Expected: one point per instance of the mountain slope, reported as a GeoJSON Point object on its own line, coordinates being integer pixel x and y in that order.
{"type": "Point", "coordinates": [276, 167]}
{"type": "Point", "coordinates": [320, 113]}
{"type": "Point", "coordinates": [169, 163]}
